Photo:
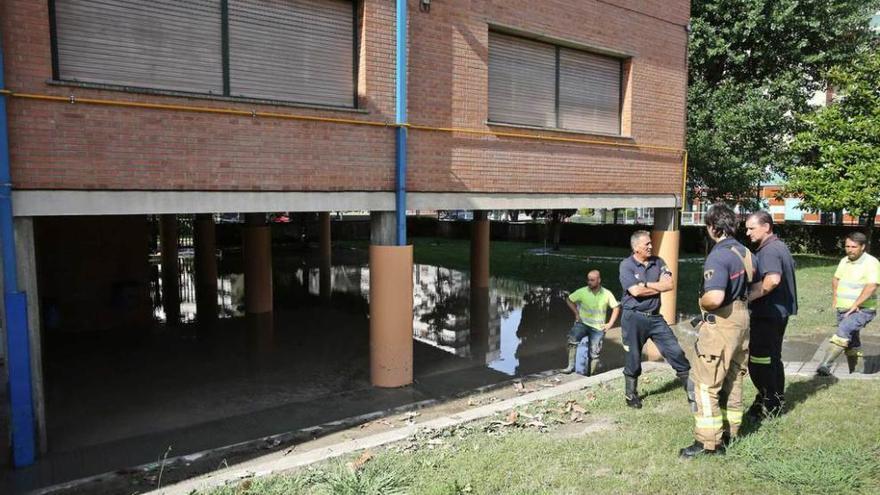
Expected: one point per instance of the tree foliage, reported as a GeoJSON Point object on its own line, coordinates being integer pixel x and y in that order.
{"type": "Point", "coordinates": [838, 151]}
{"type": "Point", "coordinates": [753, 66]}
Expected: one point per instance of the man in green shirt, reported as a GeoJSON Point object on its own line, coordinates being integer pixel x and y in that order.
{"type": "Point", "coordinates": [590, 306]}
{"type": "Point", "coordinates": [854, 298]}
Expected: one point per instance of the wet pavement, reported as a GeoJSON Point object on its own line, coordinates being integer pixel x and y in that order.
{"type": "Point", "coordinates": [115, 401]}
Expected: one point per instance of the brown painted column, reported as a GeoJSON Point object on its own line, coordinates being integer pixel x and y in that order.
{"type": "Point", "coordinates": [170, 269]}
{"type": "Point", "coordinates": [391, 305]}
{"type": "Point", "coordinates": [326, 255]}
{"type": "Point", "coordinates": [480, 250]}
{"type": "Point", "coordinates": [257, 252]}
{"type": "Point", "coordinates": [666, 237]}
{"type": "Point", "coordinates": [479, 303]}
{"type": "Point", "coordinates": [205, 247]}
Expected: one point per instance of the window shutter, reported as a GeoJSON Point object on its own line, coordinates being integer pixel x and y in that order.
{"type": "Point", "coordinates": [162, 44]}
{"type": "Point", "coordinates": [299, 50]}
{"type": "Point", "coordinates": [589, 92]}
{"type": "Point", "coordinates": [522, 81]}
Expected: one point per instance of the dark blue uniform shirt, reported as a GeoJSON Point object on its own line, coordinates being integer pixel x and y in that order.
{"type": "Point", "coordinates": [774, 257]}
{"type": "Point", "coordinates": [724, 270]}
{"type": "Point", "coordinates": [634, 273]}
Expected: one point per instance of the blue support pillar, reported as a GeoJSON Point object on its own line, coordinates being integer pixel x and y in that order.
{"type": "Point", "coordinates": [15, 302]}
{"type": "Point", "coordinates": [401, 121]}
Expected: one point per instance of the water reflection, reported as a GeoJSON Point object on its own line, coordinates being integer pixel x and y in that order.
{"type": "Point", "coordinates": [512, 327]}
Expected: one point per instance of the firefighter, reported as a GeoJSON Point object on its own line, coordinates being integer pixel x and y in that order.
{"type": "Point", "coordinates": [855, 286]}
{"type": "Point", "coordinates": [722, 347]}
{"type": "Point", "coordinates": [643, 278]}
{"type": "Point", "coordinates": [772, 300]}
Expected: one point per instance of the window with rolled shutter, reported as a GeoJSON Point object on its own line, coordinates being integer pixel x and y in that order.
{"type": "Point", "coordinates": [162, 44]}
{"type": "Point", "coordinates": [522, 81]}
{"type": "Point", "coordinates": [299, 50]}
{"type": "Point", "coordinates": [541, 84]}
{"type": "Point", "coordinates": [589, 92]}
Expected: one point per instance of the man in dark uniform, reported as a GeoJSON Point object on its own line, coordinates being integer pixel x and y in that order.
{"type": "Point", "coordinates": [773, 299]}
{"type": "Point", "coordinates": [722, 347]}
{"type": "Point", "coordinates": [643, 278]}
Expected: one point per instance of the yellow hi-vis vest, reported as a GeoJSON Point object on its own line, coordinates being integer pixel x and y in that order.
{"type": "Point", "coordinates": [852, 277]}
{"type": "Point", "coordinates": [592, 308]}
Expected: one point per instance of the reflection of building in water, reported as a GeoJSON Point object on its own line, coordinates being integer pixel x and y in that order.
{"type": "Point", "coordinates": [230, 291]}
{"type": "Point", "coordinates": [517, 319]}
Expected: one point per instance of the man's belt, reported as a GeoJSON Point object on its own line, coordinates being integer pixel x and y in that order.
{"type": "Point", "coordinates": [643, 313]}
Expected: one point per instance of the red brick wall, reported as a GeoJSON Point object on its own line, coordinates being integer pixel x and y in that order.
{"type": "Point", "coordinates": [63, 146]}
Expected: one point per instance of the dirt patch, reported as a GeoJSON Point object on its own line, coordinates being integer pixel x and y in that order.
{"type": "Point", "coordinates": [577, 430]}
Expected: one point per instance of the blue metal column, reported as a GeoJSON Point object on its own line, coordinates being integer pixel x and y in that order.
{"type": "Point", "coordinates": [400, 120]}
{"type": "Point", "coordinates": [17, 346]}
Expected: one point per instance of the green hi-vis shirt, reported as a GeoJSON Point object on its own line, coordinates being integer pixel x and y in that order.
{"type": "Point", "coordinates": [853, 276]}
{"type": "Point", "coordinates": [592, 307]}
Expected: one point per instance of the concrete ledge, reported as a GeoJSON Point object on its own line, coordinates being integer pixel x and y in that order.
{"type": "Point", "coordinates": [279, 462]}
{"type": "Point", "coordinates": [35, 203]}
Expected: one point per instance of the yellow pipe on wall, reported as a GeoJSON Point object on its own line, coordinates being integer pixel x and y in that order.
{"type": "Point", "coordinates": [274, 115]}
{"type": "Point", "coordinates": [308, 118]}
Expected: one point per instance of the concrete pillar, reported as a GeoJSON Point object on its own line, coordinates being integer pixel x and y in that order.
{"type": "Point", "coordinates": [257, 253]}
{"type": "Point", "coordinates": [479, 296]}
{"type": "Point", "coordinates": [205, 247]}
{"type": "Point", "coordinates": [666, 238]}
{"type": "Point", "coordinates": [391, 309]}
{"type": "Point", "coordinates": [170, 269]}
{"type": "Point", "coordinates": [326, 255]}
{"type": "Point", "coordinates": [383, 225]}
{"type": "Point", "coordinates": [480, 250]}
{"type": "Point", "coordinates": [27, 283]}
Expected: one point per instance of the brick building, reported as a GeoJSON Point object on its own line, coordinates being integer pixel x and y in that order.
{"type": "Point", "coordinates": [120, 109]}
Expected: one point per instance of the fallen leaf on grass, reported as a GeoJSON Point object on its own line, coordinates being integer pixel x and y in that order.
{"type": "Point", "coordinates": [512, 417]}
{"type": "Point", "coordinates": [360, 461]}
{"type": "Point", "coordinates": [578, 408]}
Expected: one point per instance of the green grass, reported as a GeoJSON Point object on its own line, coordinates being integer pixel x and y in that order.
{"type": "Point", "coordinates": [822, 445]}
{"type": "Point", "coordinates": [567, 270]}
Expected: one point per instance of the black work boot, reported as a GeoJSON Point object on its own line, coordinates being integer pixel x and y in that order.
{"type": "Point", "coordinates": [757, 409]}
{"type": "Point", "coordinates": [697, 449]}
{"type": "Point", "coordinates": [631, 393]}
{"type": "Point", "coordinates": [685, 379]}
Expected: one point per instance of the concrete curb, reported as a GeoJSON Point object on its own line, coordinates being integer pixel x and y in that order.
{"type": "Point", "coordinates": [278, 462]}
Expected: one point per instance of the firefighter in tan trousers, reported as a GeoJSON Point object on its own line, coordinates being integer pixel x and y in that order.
{"type": "Point", "coordinates": [722, 348]}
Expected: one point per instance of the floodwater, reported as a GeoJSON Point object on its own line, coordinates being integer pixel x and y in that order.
{"type": "Point", "coordinates": [113, 401]}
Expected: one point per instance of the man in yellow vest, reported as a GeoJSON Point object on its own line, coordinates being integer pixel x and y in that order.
{"type": "Point", "coordinates": [590, 306]}
{"type": "Point", "coordinates": [855, 286]}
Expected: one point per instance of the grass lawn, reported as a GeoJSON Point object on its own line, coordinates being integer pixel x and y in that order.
{"type": "Point", "coordinates": [567, 269]}
{"type": "Point", "coordinates": [821, 445]}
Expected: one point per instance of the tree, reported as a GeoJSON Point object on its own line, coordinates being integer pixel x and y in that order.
{"type": "Point", "coordinates": [753, 66]}
{"type": "Point", "coordinates": [838, 152]}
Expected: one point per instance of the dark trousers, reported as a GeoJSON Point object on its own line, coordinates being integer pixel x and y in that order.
{"type": "Point", "coordinates": [637, 328]}
{"type": "Point", "coordinates": [765, 359]}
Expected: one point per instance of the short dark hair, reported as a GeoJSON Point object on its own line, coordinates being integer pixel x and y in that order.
{"type": "Point", "coordinates": [763, 217]}
{"type": "Point", "coordinates": [722, 220]}
{"type": "Point", "coordinates": [858, 237]}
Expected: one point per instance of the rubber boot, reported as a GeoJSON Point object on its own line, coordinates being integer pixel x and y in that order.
{"type": "Point", "coordinates": [631, 393]}
{"type": "Point", "coordinates": [572, 352]}
{"type": "Point", "coordinates": [831, 354]}
{"type": "Point", "coordinates": [594, 364]}
{"type": "Point", "coordinates": [855, 360]}
{"type": "Point", "coordinates": [685, 379]}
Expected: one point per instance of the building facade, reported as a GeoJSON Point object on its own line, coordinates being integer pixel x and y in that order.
{"type": "Point", "coordinates": [120, 109]}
